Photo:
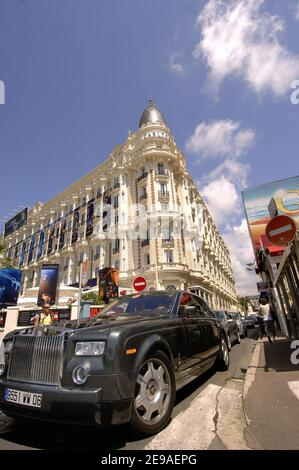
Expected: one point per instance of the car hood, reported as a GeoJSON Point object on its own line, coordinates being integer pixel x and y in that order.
{"type": "Point", "coordinates": [102, 322]}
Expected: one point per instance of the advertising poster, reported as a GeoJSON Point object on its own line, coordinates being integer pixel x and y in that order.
{"type": "Point", "coordinates": [282, 196]}
{"type": "Point", "coordinates": [31, 248]}
{"type": "Point", "coordinates": [75, 228]}
{"type": "Point", "coordinates": [51, 238]}
{"type": "Point", "coordinates": [16, 222]}
{"type": "Point", "coordinates": [48, 284]}
{"type": "Point", "coordinates": [62, 234]}
{"type": "Point", "coordinates": [40, 247]}
{"type": "Point", "coordinates": [22, 255]}
{"type": "Point", "coordinates": [89, 218]}
{"type": "Point", "coordinates": [10, 283]}
{"type": "Point", "coordinates": [108, 283]}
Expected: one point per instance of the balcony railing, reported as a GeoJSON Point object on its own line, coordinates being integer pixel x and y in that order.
{"type": "Point", "coordinates": [163, 194]}
{"type": "Point", "coordinates": [162, 172]}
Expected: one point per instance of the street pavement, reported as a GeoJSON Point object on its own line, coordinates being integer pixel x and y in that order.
{"type": "Point", "coordinates": [272, 401]}
{"type": "Point", "coordinates": [208, 415]}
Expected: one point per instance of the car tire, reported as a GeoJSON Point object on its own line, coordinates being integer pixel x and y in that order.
{"type": "Point", "coordinates": [223, 356]}
{"type": "Point", "coordinates": [154, 395]}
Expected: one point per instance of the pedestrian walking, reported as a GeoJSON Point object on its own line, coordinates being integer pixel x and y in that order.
{"type": "Point", "coordinates": [265, 312]}
{"type": "Point", "coordinates": [261, 324]}
{"type": "Point", "coordinates": [44, 318]}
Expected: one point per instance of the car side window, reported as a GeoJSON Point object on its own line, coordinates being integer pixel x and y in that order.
{"type": "Point", "coordinates": [206, 311]}
{"type": "Point", "coordinates": [190, 300]}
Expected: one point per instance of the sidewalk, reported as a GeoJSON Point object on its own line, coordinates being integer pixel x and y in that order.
{"type": "Point", "coordinates": [271, 396]}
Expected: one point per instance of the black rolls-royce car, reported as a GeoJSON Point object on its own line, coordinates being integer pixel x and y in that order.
{"type": "Point", "coordinates": [123, 366]}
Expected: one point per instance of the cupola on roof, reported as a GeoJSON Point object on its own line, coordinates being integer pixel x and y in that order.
{"type": "Point", "coordinates": [151, 114]}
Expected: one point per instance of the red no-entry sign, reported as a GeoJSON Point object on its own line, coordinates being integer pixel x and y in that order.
{"type": "Point", "coordinates": [281, 230]}
{"type": "Point", "coordinates": [139, 283]}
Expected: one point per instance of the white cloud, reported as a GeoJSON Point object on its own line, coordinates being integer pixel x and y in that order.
{"type": "Point", "coordinates": [175, 64]}
{"type": "Point", "coordinates": [220, 138]}
{"type": "Point", "coordinates": [233, 170]}
{"type": "Point", "coordinates": [239, 38]}
{"type": "Point", "coordinates": [222, 199]}
{"type": "Point", "coordinates": [239, 244]}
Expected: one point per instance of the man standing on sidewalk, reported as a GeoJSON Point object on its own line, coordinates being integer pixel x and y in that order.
{"type": "Point", "coordinates": [265, 312]}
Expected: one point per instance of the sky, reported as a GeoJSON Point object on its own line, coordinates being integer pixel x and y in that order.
{"type": "Point", "coordinates": [78, 74]}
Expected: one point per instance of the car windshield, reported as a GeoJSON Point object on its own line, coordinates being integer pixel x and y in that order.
{"type": "Point", "coordinates": [219, 315]}
{"type": "Point", "coordinates": [148, 304]}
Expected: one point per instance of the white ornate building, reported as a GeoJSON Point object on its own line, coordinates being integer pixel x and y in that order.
{"type": "Point", "coordinates": [138, 211]}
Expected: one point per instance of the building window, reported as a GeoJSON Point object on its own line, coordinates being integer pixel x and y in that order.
{"type": "Point", "coordinates": [116, 202]}
{"type": "Point", "coordinates": [123, 264]}
{"type": "Point", "coordinates": [147, 259]}
{"type": "Point", "coordinates": [168, 256]}
{"type": "Point", "coordinates": [163, 189]}
{"type": "Point", "coordinates": [115, 246]}
{"type": "Point", "coordinates": [116, 183]}
{"type": "Point", "coordinates": [116, 220]}
{"type": "Point", "coordinates": [116, 264]}
{"type": "Point", "coordinates": [161, 169]}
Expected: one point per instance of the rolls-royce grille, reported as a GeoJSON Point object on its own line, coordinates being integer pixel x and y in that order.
{"type": "Point", "coordinates": [36, 359]}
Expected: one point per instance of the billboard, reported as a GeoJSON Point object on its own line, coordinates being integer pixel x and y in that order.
{"type": "Point", "coordinates": [278, 197]}
{"type": "Point", "coordinates": [10, 283]}
{"type": "Point", "coordinates": [16, 222]}
{"type": "Point", "coordinates": [108, 283]}
{"type": "Point", "coordinates": [48, 284]}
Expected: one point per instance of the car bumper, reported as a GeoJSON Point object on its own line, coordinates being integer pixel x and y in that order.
{"type": "Point", "coordinates": [66, 405]}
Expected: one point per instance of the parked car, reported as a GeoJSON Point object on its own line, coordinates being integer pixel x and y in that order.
{"type": "Point", "coordinates": [250, 321]}
{"type": "Point", "coordinates": [230, 326]}
{"type": "Point", "coordinates": [124, 365]}
{"type": "Point", "coordinates": [241, 324]}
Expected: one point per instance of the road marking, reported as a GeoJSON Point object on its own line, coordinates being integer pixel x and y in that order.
{"type": "Point", "coordinates": [294, 387]}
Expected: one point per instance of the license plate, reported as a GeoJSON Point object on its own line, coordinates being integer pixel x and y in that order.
{"type": "Point", "coordinates": [23, 398]}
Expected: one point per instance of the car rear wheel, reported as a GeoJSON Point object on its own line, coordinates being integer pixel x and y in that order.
{"type": "Point", "coordinates": [154, 395]}
{"type": "Point", "coordinates": [223, 357]}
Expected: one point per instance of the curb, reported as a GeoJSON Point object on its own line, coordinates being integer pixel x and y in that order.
{"type": "Point", "coordinates": [250, 377]}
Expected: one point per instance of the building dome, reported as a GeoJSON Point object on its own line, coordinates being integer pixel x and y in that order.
{"type": "Point", "coordinates": [151, 114]}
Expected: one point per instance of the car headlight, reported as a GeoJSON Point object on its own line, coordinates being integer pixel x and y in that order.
{"type": "Point", "coordinates": [90, 348]}
{"type": "Point", "coordinates": [8, 346]}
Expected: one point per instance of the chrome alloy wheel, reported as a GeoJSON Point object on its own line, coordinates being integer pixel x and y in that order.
{"type": "Point", "coordinates": [153, 391]}
{"type": "Point", "coordinates": [229, 343]}
{"type": "Point", "coordinates": [224, 351]}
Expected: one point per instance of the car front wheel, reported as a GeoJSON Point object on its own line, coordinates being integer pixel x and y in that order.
{"type": "Point", "coordinates": [154, 395]}
{"type": "Point", "coordinates": [223, 357]}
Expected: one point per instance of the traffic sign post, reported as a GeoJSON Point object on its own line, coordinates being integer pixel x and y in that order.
{"type": "Point", "coordinates": [139, 283]}
{"type": "Point", "coordinates": [281, 230]}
